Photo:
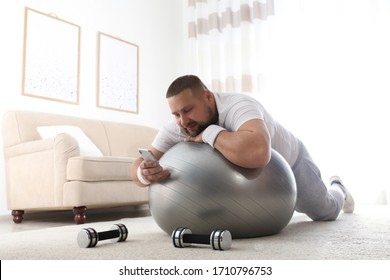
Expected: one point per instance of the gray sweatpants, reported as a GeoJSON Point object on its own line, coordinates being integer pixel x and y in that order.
{"type": "Point", "coordinates": [313, 197]}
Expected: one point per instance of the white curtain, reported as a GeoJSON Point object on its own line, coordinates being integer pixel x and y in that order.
{"type": "Point", "coordinates": [227, 39]}
{"type": "Point", "coordinates": [321, 67]}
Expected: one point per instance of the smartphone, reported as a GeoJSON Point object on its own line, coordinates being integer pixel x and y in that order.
{"type": "Point", "coordinates": [147, 154]}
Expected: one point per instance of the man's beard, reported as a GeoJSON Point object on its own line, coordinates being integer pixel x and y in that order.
{"type": "Point", "coordinates": [203, 125]}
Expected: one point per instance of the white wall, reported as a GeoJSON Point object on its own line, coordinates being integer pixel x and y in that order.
{"type": "Point", "coordinates": [154, 25]}
{"type": "Point", "coordinates": [329, 84]}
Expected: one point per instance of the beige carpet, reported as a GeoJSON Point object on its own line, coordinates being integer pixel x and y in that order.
{"type": "Point", "coordinates": [364, 235]}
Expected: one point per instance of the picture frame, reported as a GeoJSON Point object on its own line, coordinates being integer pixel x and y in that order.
{"type": "Point", "coordinates": [51, 57]}
{"type": "Point", "coordinates": [117, 83]}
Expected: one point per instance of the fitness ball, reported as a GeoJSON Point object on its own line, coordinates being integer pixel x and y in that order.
{"type": "Point", "coordinates": [206, 192]}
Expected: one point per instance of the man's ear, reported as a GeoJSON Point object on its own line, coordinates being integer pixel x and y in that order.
{"type": "Point", "coordinates": [209, 95]}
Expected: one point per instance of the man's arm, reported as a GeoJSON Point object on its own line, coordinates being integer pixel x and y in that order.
{"type": "Point", "coordinates": [150, 170]}
{"type": "Point", "coordinates": [249, 146]}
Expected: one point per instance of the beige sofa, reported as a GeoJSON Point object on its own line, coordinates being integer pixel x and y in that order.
{"type": "Point", "coordinates": [59, 169]}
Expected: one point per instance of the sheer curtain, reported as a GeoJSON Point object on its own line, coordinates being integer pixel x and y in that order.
{"type": "Point", "coordinates": [226, 42]}
{"type": "Point", "coordinates": [321, 67]}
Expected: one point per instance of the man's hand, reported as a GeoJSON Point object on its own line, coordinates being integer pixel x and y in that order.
{"type": "Point", "coordinates": [149, 171]}
{"type": "Point", "coordinates": [153, 171]}
{"type": "Point", "coordinates": [196, 139]}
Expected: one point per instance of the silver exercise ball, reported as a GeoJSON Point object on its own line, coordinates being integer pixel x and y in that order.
{"type": "Point", "coordinates": [206, 192]}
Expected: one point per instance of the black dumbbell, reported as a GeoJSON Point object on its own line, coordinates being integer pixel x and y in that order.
{"type": "Point", "coordinates": [218, 239]}
{"type": "Point", "coordinates": [88, 237]}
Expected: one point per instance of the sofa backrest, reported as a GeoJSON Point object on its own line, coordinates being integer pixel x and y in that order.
{"type": "Point", "coordinates": [112, 138]}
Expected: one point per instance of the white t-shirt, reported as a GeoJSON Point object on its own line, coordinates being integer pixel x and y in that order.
{"type": "Point", "coordinates": [234, 110]}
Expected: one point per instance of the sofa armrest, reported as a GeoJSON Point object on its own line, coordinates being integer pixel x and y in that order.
{"type": "Point", "coordinates": [38, 146]}
{"type": "Point", "coordinates": [36, 171]}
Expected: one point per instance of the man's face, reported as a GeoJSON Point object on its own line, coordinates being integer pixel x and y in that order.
{"type": "Point", "coordinates": [193, 112]}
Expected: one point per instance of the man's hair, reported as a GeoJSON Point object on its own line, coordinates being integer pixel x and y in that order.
{"type": "Point", "coordinates": [185, 82]}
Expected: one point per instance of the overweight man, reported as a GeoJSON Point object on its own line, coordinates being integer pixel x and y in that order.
{"type": "Point", "coordinates": [242, 130]}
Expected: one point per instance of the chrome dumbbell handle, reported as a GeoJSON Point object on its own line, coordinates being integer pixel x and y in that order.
{"type": "Point", "coordinates": [110, 234]}
{"type": "Point", "coordinates": [196, 238]}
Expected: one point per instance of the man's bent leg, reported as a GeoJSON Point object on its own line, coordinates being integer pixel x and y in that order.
{"type": "Point", "coordinates": [313, 197]}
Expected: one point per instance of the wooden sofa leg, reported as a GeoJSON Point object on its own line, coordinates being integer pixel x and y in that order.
{"type": "Point", "coordinates": [79, 214]}
{"type": "Point", "coordinates": [17, 216]}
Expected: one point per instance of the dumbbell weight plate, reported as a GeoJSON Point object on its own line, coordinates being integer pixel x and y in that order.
{"type": "Point", "coordinates": [122, 232]}
{"type": "Point", "coordinates": [177, 237]}
{"type": "Point", "coordinates": [221, 240]}
{"type": "Point", "coordinates": [87, 237]}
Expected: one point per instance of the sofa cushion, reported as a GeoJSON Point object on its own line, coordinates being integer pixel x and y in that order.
{"type": "Point", "coordinates": [93, 169]}
{"type": "Point", "coordinates": [87, 147]}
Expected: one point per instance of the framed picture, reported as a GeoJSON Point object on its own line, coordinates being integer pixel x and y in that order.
{"type": "Point", "coordinates": [117, 74]}
{"type": "Point", "coordinates": [51, 57]}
